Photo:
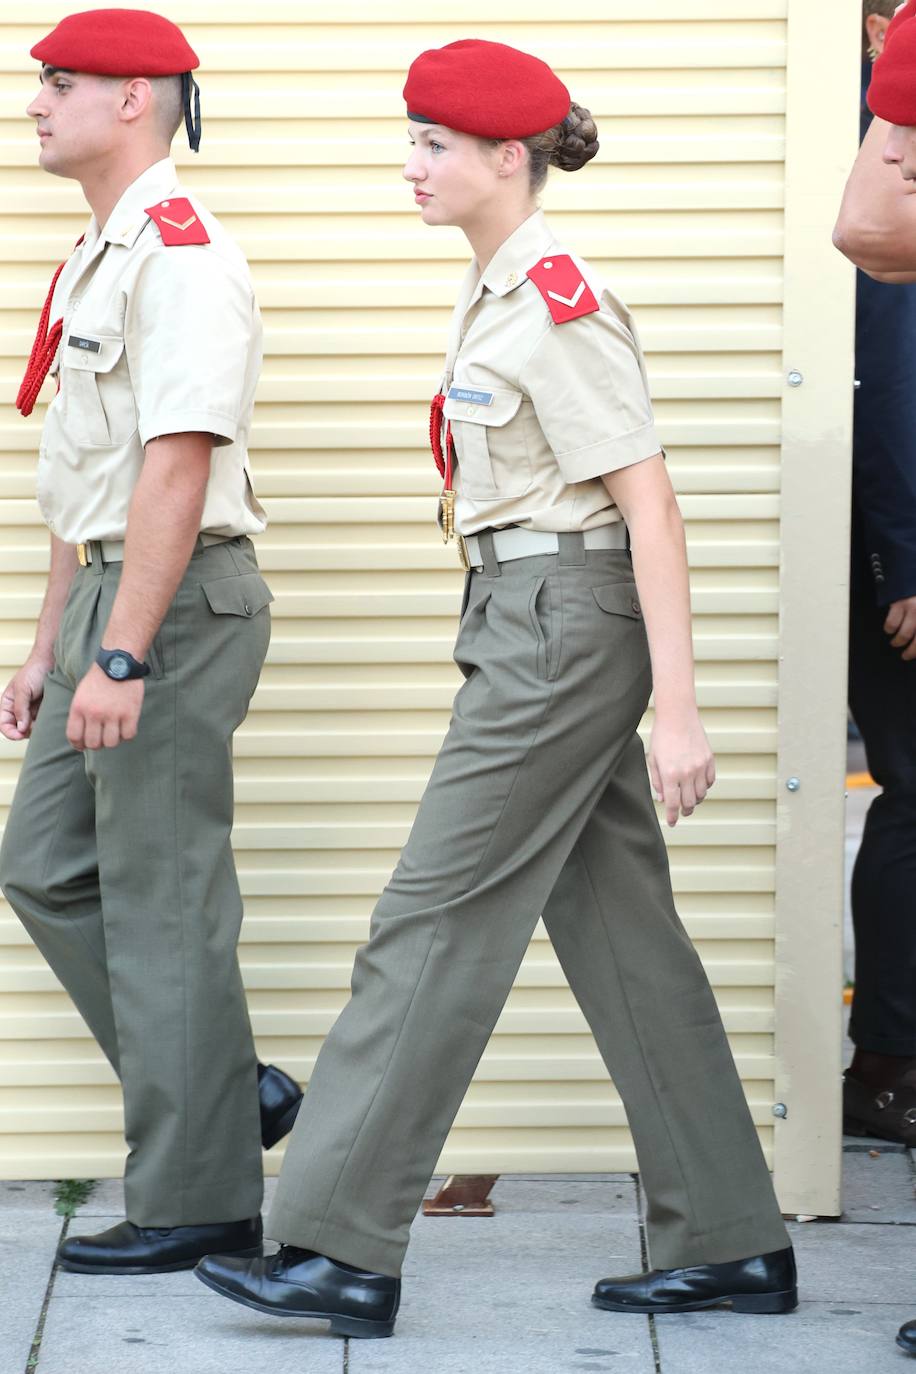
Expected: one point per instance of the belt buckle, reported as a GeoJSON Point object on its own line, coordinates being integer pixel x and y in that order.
{"type": "Point", "coordinates": [84, 555]}
{"type": "Point", "coordinates": [463, 553]}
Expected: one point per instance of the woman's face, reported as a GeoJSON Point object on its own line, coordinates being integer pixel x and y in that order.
{"type": "Point", "coordinates": [454, 176]}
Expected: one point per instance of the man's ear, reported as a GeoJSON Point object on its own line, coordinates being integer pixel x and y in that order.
{"type": "Point", "coordinates": [136, 95]}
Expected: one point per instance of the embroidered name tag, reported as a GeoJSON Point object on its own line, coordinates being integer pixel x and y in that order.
{"type": "Point", "coordinates": [87, 345]}
{"type": "Point", "coordinates": [463, 393]}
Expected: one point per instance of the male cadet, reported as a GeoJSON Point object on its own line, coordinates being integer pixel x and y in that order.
{"type": "Point", "coordinates": [877, 230]}
{"type": "Point", "coordinates": [153, 631]}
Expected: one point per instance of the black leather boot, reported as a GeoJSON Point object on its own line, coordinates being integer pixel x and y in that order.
{"type": "Point", "coordinates": [279, 1096]}
{"type": "Point", "coordinates": [130, 1249]}
{"type": "Point", "coordinates": [300, 1283]}
{"type": "Point", "coordinates": [763, 1283]}
{"type": "Point", "coordinates": [906, 1337]}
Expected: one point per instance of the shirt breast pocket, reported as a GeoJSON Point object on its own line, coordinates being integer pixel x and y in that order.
{"type": "Point", "coordinates": [491, 444]}
{"type": "Point", "coordinates": [101, 410]}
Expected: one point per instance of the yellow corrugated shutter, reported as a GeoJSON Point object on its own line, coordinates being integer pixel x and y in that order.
{"type": "Point", "coordinates": [684, 213]}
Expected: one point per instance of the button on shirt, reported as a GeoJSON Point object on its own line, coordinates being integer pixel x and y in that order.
{"type": "Point", "coordinates": [540, 411]}
{"type": "Point", "coordinates": [156, 340]}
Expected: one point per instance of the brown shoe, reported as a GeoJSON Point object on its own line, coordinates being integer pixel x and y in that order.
{"type": "Point", "coordinates": [889, 1114]}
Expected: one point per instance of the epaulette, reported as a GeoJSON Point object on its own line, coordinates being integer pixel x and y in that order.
{"type": "Point", "coordinates": [563, 287]}
{"type": "Point", "coordinates": [177, 222]}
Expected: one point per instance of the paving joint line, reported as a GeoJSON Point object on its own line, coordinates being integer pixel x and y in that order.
{"type": "Point", "coordinates": [34, 1354]}
{"type": "Point", "coordinates": [644, 1254]}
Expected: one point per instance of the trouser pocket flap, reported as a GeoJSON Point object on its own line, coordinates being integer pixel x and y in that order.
{"type": "Point", "coordinates": [243, 595]}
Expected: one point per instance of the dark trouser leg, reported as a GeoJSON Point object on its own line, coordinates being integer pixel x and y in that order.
{"type": "Point", "coordinates": [882, 695]}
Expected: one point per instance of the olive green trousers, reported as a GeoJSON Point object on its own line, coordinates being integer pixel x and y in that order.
{"type": "Point", "coordinates": [539, 803]}
{"type": "Point", "coordinates": [118, 863]}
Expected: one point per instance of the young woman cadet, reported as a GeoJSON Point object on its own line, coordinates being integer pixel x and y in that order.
{"type": "Point", "coordinates": [539, 800]}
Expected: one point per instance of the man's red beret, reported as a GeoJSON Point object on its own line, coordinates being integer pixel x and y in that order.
{"type": "Point", "coordinates": [892, 93]}
{"type": "Point", "coordinates": [117, 43]}
{"type": "Point", "coordinates": [487, 89]}
{"type": "Point", "coordinates": [905, 12]}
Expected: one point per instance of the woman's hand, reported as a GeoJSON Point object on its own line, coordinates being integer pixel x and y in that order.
{"type": "Point", "coordinates": [681, 764]}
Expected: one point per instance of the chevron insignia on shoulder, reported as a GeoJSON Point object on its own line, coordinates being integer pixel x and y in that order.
{"type": "Point", "coordinates": [563, 287]}
{"type": "Point", "coordinates": [178, 222]}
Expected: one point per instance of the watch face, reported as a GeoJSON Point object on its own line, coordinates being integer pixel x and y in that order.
{"type": "Point", "coordinates": [118, 666]}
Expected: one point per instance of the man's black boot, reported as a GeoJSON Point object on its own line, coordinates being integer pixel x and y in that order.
{"type": "Point", "coordinates": [763, 1283]}
{"type": "Point", "coordinates": [279, 1096]}
{"type": "Point", "coordinates": [130, 1249]}
{"type": "Point", "coordinates": [301, 1283]}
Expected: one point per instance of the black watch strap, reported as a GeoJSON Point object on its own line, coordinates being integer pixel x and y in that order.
{"type": "Point", "coordinates": [120, 665]}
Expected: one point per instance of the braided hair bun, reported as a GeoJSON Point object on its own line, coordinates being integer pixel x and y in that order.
{"type": "Point", "coordinates": [577, 140]}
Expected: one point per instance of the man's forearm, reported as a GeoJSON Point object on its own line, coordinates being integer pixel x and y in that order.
{"type": "Point", "coordinates": [876, 228]}
{"type": "Point", "coordinates": [63, 568]}
{"type": "Point", "coordinates": [162, 528]}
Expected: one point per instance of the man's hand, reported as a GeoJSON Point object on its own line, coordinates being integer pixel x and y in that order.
{"type": "Point", "coordinates": [104, 712]}
{"type": "Point", "coordinates": [901, 624]}
{"type": "Point", "coordinates": [22, 698]}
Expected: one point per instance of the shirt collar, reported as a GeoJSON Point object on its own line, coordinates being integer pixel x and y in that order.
{"type": "Point", "coordinates": [129, 216]}
{"type": "Point", "coordinates": [525, 246]}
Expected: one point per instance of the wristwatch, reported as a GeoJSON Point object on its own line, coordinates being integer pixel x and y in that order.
{"type": "Point", "coordinates": [120, 665]}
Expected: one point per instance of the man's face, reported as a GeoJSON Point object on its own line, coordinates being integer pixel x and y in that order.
{"type": "Point", "coordinates": [900, 150]}
{"type": "Point", "coordinates": [76, 120]}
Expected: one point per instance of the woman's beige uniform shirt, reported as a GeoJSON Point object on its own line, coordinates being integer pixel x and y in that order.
{"type": "Point", "coordinates": [568, 402]}
{"type": "Point", "coordinates": [170, 343]}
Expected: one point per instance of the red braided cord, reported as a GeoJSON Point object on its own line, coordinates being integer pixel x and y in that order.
{"type": "Point", "coordinates": [444, 462]}
{"type": "Point", "coordinates": [44, 349]}
{"type": "Point", "coordinates": [435, 431]}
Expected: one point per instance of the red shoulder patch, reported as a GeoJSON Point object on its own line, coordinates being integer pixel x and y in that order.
{"type": "Point", "coordinates": [563, 287]}
{"type": "Point", "coordinates": [178, 222]}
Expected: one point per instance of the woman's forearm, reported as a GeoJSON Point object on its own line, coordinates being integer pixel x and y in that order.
{"type": "Point", "coordinates": [660, 566]}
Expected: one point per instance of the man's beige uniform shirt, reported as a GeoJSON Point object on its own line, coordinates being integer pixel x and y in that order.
{"type": "Point", "coordinates": [569, 401]}
{"type": "Point", "coordinates": [156, 341]}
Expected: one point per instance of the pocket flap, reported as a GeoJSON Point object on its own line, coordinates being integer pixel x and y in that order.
{"type": "Point", "coordinates": [498, 411]}
{"type": "Point", "coordinates": [619, 598]}
{"type": "Point", "coordinates": [243, 595]}
{"type": "Point", "coordinates": [91, 352]}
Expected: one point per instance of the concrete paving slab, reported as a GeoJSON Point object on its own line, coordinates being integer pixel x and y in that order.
{"type": "Point", "coordinates": [854, 1265]}
{"type": "Point", "coordinates": [26, 1197]}
{"type": "Point", "coordinates": [28, 1241]}
{"type": "Point", "coordinates": [842, 1338]}
{"type": "Point", "coordinates": [512, 1292]}
{"type": "Point", "coordinates": [114, 1333]}
{"type": "Point", "coordinates": [878, 1189]}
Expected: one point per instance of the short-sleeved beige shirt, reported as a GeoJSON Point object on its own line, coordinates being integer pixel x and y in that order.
{"type": "Point", "coordinates": [156, 341]}
{"type": "Point", "coordinates": [562, 403]}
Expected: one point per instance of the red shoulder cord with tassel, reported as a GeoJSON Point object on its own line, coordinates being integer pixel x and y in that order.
{"type": "Point", "coordinates": [445, 462]}
{"type": "Point", "coordinates": [43, 352]}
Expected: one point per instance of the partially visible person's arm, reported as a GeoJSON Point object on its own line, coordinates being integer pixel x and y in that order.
{"type": "Point", "coordinates": [22, 698]}
{"type": "Point", "coordinates": [162, 528]}
{"type": "Point", "coordinates": [681, 763]}
{"type": "Point", "coordinates": [876, 228]}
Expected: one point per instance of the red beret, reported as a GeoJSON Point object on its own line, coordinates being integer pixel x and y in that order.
{"type": "Point", "coordinates": [905, 12]}
{"type": "Point", "coordinates": [892, 93]}
{"type": "Point", "coordinates": [487, 89]}
{"type": "Point", "coordinates": [117, 43]}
